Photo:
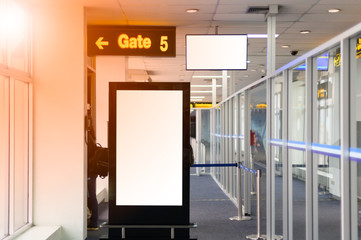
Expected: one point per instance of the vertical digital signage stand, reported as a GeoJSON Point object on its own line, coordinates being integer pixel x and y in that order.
{"type": "Point", "coordinates": [149, 160]}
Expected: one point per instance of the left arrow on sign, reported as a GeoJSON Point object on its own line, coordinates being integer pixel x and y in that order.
{"type": "Point", "coordinates": [100, 43]}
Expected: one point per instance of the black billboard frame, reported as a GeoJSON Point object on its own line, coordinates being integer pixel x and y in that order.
{"type": "Point", "coordinates": [149, 215]}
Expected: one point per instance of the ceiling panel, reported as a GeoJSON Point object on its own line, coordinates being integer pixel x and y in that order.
{"type": "Point", "coordinates": [228, 17]}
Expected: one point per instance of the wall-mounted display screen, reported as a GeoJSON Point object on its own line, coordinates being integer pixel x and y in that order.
{"type": "Point", "coordinates": [216, 52]}
{"type": "Point", "coordinates": [149, 158]}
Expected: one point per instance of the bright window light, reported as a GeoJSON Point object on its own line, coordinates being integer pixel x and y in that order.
{"type": "Point", "coordinates": [12, 22]}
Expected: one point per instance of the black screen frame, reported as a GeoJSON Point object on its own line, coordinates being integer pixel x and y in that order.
{"type": "Point", "coordinates": [148, 215]}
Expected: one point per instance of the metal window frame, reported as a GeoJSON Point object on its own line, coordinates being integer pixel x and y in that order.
{"type": "Point", "coordinates": [354, 226]}
{"type": "Point", "coordinates": [26, 76]}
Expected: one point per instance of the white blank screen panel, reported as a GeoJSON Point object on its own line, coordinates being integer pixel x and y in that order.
{"type": "Point", "coordinates": [216, 52]}
{"type": "Point", "coordinates": [149, 161]}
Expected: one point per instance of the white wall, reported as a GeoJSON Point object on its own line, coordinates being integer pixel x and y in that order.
{"type": "Point", "coordinates": [59, 163]}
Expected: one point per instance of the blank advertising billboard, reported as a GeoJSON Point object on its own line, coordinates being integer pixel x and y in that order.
{"type": "Point", "coordinates": [216, 52]}
{"type": "Point", "coordinates": [149, 173]}
{"type": "Point", "coordinates": [149, 145]}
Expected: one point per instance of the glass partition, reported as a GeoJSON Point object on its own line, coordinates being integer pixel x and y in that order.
{"type": "Point", "coordinates": [296, 130]}
{"type": "Point", "coordinates": [276, 151]}
{"type": "Point", "coordinates": [326, 135]}
{"type": "Point", "coordinates": [258, 109]}
{"type": "Point", "coordinates": [218, 142]}
{"type": "Point", "coordinates": [355, 121]}
{"type": "Point", "coordinates": [241, 126]}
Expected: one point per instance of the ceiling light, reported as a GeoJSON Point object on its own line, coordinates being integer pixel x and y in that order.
{"type": "Point", "coordinates": [334, 10]}
{"type": "Point", "coordinates": [305, 31]}
{"type": "Point", "coordinates": [260, 35]}
{"type": "Point", "coordinates": [253, 70]}
{"type": "Point", "coordinates": [285, 46]}
{"type": "Point", "coordinates": [192, 10]}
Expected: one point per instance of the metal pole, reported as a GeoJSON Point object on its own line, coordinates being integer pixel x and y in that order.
{"type": "Point", "coordinates": [259, 203]}
{"type": "Point", "coordinates": [240, 216]}
{"type": "Point", "coordinates": [258, 236]}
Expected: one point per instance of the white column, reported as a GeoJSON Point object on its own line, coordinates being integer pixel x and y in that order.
{"type": "Point", "coordinates": [271, 40]}
{"type": "Point", "coordinates": [59, 180]}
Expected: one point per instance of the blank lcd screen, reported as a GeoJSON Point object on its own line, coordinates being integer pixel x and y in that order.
{"type": "Point", "coordinates": [216, 52]}
{"type": "Point", "coordinates": [149, 160]}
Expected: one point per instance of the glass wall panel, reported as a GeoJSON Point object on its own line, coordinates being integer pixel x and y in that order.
{"type": "Point", "coordinates": [329, 207]}
{"type": "Point", "coordinates": [206, 146]}
{"type": "Point", "coordinates": [258, 123]}
{"type": "Point", "coordinates": [241, 125]}
{"type": "Point", "coordinates": [297, 98]}
{"type": "Point", "coordinates": [21, 155]}
{"type": "Point", "coordinates": [276, 134]}
{"type": "Point", "coordinates": [327, 74]}
{"type": "Point", "coordinates": [235, 145]}
{"type": "Point", "coordinates": [218, 142]}
{"type": "Point", "coordinates": [4, 155]}
{"type": "Point", "coordinates": [326, 131]}
{"type": "Point", "coordinates": [296, 131]}
{"type": "Point", "coordinates": [355, 123]}
{"type": "Point", "coordinates": [298, 193]}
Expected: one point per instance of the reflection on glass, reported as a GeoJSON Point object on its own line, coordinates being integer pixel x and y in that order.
{"type": "Point", "coordinates": [258, 123]}
{"type": "Point", "coordinates": [297, 98]}
{"type": "Point", "coordinates": [276, 133]}
{"type": "Point", "coordinates": [355, 124]}
{"type": "Point", "coordinates": [329, 207]}
{"type": "Point", "coordinates": [277, 158]}
{"type": "Point", "coordinates": [277, 105]}
{"type": "Point", "coordinates": [296, 158]}
{"type": "Point", "coordinates": [205, 138]}
{"type": "Point", "coordinates": [328, 97]}
{"type": "Point", "coordinates": [241, 125]}
{"type": "Point", "coordinates": [327, 132]}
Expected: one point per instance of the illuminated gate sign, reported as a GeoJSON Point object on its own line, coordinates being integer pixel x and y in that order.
{"type": "Point", "coordinates": [131, 40]}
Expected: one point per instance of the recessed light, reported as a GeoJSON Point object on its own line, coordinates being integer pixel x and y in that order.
{"type": "Point", "coordinates": [334, 10]}
{"type": "Point", "coordinates": [192, 10]}
{"type": "Point", "coordinates": [253, 70]}
{"type": "Point", "coordinates": [260, 35]}
{"type": "Point", "coordinates": [305, 31]}
{"type": "Point", "coordinates": [285, 46]}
